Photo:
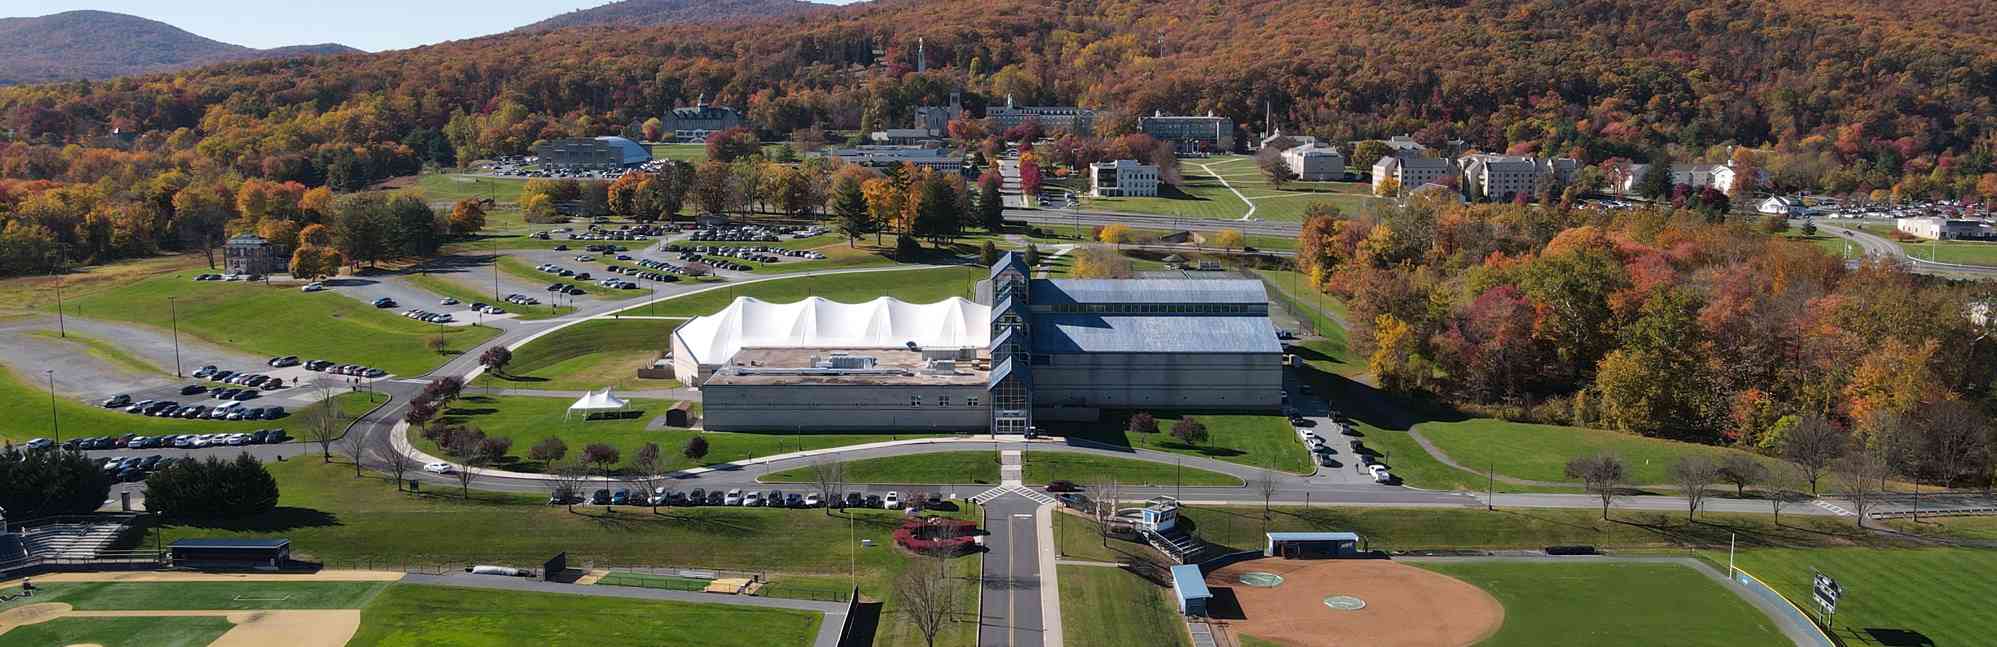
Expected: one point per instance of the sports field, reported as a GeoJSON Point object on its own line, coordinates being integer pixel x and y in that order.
{"type": "Point", "coordinates": [442, 615]}
{"type": "Point", "coordinates": [1203, 195]}
{"type": "Point", "coordinates": [1632, 605]}
{"type": "Point", "coordinates": [150, 609]}
{"type": "Point", "coordinates": [590, 355]}
{"type": "Point", "coordinates": [182, 631]}
{"type": "Point", "coordinates": [1892, 598]}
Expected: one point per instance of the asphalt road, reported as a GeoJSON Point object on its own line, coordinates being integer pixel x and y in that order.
{"type": "Point", "coordinates": [1879, 247]}
{"type": "Point", "coordinates": [1009, 613]}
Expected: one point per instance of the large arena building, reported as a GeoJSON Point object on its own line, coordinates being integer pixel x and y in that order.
{"type": "Point", "coordinates": [1028, 350]}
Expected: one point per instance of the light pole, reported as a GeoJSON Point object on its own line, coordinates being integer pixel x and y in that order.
{"type": "Point", "coordinates": [173, 311]}
{"type": "Point", "coordinates": [62, 330]}
{"type": "Point", "coordinates": [55, 425]}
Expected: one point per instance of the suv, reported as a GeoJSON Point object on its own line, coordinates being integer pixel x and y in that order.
{"type": "Point", "coordinates": [120, 400]}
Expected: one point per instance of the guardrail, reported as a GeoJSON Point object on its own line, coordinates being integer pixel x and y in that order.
{"type": "Point", "coordinates": [1938, 512]}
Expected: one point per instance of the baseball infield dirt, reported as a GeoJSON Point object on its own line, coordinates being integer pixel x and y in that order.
{"type": "Point", "coordinates": [1404, 605]}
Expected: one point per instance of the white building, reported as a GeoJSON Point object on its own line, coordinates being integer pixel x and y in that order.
{"type": "Point", "coordinates": [1410, 172]}
{"type": "Point", "coordinates": [705, 344]}
{"type": "Point", "coordinates": [1123, 178]}
{"type": "Point", "coordinates": [1934, 228]}
{"type": "Point", "coordinates": [1782, 205]}
{"type": "Point", "coordinates": [1315, 163]}
{"type": "Point", "coordinates": [1502, 178]}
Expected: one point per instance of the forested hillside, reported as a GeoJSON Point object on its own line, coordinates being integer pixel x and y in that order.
{"type": "Point", "coordinates": [101, 45]}
{"type": "Point", "coordinates": [1890, 97]}
{"type": "Point", "coordinates": [649, 13]}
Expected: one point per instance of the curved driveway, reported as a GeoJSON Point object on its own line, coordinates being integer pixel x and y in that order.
{"type": "Point", "coordinates": [1877, 246]}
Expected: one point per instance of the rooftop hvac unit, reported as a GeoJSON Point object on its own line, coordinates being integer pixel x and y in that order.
{"type": "Point", "coordinates": [848, 362]}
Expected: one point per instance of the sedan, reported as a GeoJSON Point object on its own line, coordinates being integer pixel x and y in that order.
{"type": "Point", "coordinates": [438, 468]}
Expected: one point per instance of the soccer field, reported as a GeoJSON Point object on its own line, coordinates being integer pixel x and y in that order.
{"type": "Point", "coordinates": [1626, 604]}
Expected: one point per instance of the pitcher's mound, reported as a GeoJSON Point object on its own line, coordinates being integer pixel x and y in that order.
{"type": "Point", "coordinates": [31, 614]}
{"type": "Point", "coordinates": [1351, 602]}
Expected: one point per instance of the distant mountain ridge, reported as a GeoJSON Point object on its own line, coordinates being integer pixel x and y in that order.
{"type": "Point", "coordinates": [101, 45]}
{"type": "Point", "coordinates": [649, 13]}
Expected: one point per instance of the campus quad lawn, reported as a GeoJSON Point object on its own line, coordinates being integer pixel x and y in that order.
{"type": "Point", "coordinates": [205, 596]}
{"type": "Point", "coordinates": [1540, 452]}
{"type": "Point", "coordinates": [528, 420]}
{"type": "Point", "coordinates": [280, 320]}
{"type": "Point", "coordinates": [1635, 605]}
{"type": "Point", "coordinates": [982, 467]}
{"type": "Point", "coordinates": [927, 285]}
{"type": "Point", "coordinates": [345, 522]}
{"type": "Point", "coordinates": [441, 615]}
{"type": "Point", "coordinates": [1111, 607]}
{"type": "Point", "coordinates": [1934, 596]}
{"type": "Point", "coordinates": [30, 416]}
{"type": "Point", "coordinates": [1265, 441]}
{"type": "Point", "coordinates": [120, 632]}
{"type": "Point", "coordinates": [590, 355]}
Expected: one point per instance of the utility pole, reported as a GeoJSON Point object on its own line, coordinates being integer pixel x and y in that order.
{"type": "Point", "coordinates": [174, 311]}
{"type": "Point", "coordinates": [1491, 486]}
{"type": "Point", "coordinates": [62, 330]}
{"type": "Point", "coordinates": [55, 425]}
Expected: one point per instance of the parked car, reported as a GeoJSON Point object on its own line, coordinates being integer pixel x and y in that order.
{"type": "Point", "coordinates": [795, 500]}
{"type": "Point", "coordinates": [752, 500]}
{"type": "Point", "coordinates": [620, 497]}
{"type": "Point", "coordinates": [892, 501]}
{"type": "Point", "coordinates": [314, 286]}
{"type": "Point", "coordinates": [116, 401]}
{"type": "Point", "coordinates": [384, 302]}
{"type": "Point", "coordinates": [872, 501]}
{"type": "Point", "coordinates": [448, 301]}
{"type": "Point", "coordinates": [39, 443]}
{"type": "Point", "coordinates": [438, 468]}
{"type": "Point", "coordinates": [734, 497]}
{"type": "Point", "coordinates": [813, 500]}
{"type": "Point", "coordinates": [599, 497]}
{"type": "Point", "coordinates": [1063, 486]}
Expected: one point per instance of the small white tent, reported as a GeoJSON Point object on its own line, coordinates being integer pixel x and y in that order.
{"type": "Point", "coordinates": [595, 401]}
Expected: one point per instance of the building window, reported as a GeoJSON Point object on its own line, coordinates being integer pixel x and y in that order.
{"type": "Point", "coordinates": [914, 400]}
{"type": "Point", "coordinates": [942, 400]}
{"type": "Point", "coordinates": [971, 401]}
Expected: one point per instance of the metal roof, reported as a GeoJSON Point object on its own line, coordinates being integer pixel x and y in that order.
{"type": "Point", "coordinates": [1083, 333]}
{"type": "Point", "coordinates": [1189, 582]}
{"type": "Point", "coordinates": [1069, 291]}
{"type": "Point", "coordinates": [1313, 536]}
{"type": "Point", "coordinates": [230, 543]}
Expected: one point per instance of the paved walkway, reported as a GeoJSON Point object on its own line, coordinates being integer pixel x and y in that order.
{"type": "Point", "coordinates": [1245, 216]}
{"type": "Point", "coordinates": [828, 630]}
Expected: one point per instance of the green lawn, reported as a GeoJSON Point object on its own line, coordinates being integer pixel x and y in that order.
{"type": "Point", "coordinates": [1265, 441]}
{"type": "Point", "coordinates": [1540, 452]}
{"type": "Point", "coordinates": [120, 632]}
{"type": "Point", "coordinates": [1891, 598]}
{"type": "Point", "coordinates": [30, 419]}
{"type": "Point", "coordinates": [442, 286]}
{"type": "Point", "coordinates": [1962, 252]}
{"type": "Point", "coordinates": [915, 286]}
{"type": "Point", "coordinates": [1636, 605]}
{"type": "Point", "coordinates": [1433, 528]}
{"type": "Point", "coordinates": [528, 420]}
{"type": "Point", "coordinates": [207, 596]}
{"type": "Point", "coordinates": [590, 355]}
{"type": "Point", "coordinates": [276, 320]}
{"type": "Point", "coordinates": [1202, 195]}
{"type": "Point", "coordinates": [982, 467]}
{"type": "Point", "coordinates": [364, 523]}
{"type": "Point", "coordinates": [442, 615]}
{"type": "Point", "coordinates": [1112, 607]}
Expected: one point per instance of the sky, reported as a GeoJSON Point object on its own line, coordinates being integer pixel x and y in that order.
{"type": "Point", "coordinates": [372, 25]}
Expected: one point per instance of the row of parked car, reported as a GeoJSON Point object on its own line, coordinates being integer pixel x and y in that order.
{"type": "Point", "coordinates": [228, 277]}
{"type": "Point", "coordinates": [634, 273]}
{"type": "Point", "coordinates": [131, 469]}
{"type": "Point", "coordinates": [241, 378]}
{"type": "Point", "coordinates": [427, 316]}
{"type": "Point", "coordinates": [758, 253]}
{"type": "Point", "coordinates": [667, 268]}
{"type": "Point", "coordinates": [183, 441]}
{"type": "Point", "coordinates": [716, 263]}
{"type": "Point", "coordinates": [351, 370]}
{"type": "Point", "coordinates": [738, 497]}
{"type": "Point", "coordinates": [232, 410]}
{"type": "Point", "coordinates": [475, 306]}
{"type": "Point", "coordinates": [220, 393]}
{"type": "Point", "coordinates": [522, 300]}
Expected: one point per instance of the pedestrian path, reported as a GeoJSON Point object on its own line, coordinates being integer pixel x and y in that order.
{"type": "Point", "coordinates": [1011, 469]}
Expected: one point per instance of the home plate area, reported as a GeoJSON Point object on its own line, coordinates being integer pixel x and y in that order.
{"type": "Point", "coordinates": [1376, 603]}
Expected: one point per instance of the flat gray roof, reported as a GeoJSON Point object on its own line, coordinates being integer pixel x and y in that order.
{"type": "Point", "coordinates": [773, 366]}
{"type": "Point", "coordinates": [1067, 291]}
{"type": "Point", "coordinates": [1084, 333]}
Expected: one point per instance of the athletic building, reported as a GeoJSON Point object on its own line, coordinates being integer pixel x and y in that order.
{"type": "Point", "coordinates": [600, 151]}
{"type": "Point", "coordinates": [1027, 350]}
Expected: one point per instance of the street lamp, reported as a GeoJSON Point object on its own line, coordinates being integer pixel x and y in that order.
{"type": "Point", "coordinates": [55, 425]}
{"type": "Point", "coordinates": [174, 311]}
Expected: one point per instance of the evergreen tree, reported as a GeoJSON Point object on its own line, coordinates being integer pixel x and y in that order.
{"type": "Point", "coordinates": [850, 204]}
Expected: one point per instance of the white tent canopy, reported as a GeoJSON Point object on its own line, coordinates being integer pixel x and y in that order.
{"type": "Point", "coordinates": [594, 401]}
{"type": "Point", "coordinates": [817, 322]}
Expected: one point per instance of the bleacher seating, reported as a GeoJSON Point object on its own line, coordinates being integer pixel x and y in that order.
{"type": "Point", "coordinates": [1181, 546]}
{"type": "Point", "coordinates": [70, 540]}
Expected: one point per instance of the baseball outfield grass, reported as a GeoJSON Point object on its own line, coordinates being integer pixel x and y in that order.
{"type": "Point", "coordinates": [1111, 607]}
{"type": "Point", "coordinates": [207, 596]}
{"type": "Point", "coordinates": [442, 615]}
{"type": "Point", "coordinates": [1891, 598]}
{"type": "Point", "coordinates": [1635, 605]}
